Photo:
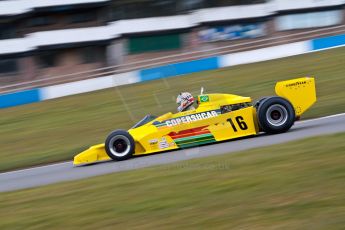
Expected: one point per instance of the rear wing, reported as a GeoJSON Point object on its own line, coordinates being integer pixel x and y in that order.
{"type": "Point", "coordinates": [300, 92]}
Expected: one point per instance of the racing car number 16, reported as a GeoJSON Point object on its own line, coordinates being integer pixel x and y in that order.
{"type": "Point", "coordinates": [240, 123]}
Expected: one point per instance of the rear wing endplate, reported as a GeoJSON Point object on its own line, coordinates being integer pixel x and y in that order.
{"type": "Point", "coordinates": [300, 92]}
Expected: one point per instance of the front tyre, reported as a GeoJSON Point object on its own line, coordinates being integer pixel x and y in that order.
{"type": "Point", "coordinates": [275, 115]}
{"type": "Point", "coordinates": [119, 145]}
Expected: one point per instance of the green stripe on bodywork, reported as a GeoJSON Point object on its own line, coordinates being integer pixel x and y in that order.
{"type": "Point", "coordinates": [182, 139]}
{"type": "Point", "coordinates": [197, 143]}
{"type": "Point", "coordinates": [194, 140]}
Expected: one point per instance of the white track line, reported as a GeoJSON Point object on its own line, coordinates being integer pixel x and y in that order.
{"type": "Point", "coordinates": [321, 118]}
{"type": "Point", "coordinates": [35, 167]}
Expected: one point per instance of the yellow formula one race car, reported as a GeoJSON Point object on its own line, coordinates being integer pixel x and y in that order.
{"type": "Point", "coordinates": [219, 117]}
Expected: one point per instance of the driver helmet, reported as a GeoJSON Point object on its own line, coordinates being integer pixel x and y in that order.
{"type": "Point", "coordinates": [184, 101]}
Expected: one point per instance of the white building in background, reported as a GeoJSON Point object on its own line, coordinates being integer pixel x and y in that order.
{"type": "Point", "coordinates": [40, 38]}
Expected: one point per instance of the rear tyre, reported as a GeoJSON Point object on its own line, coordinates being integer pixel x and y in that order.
{"type": "Point", "coordinates": [119, 145]}
{"type": "Point", "coordinates": [275, 115]}
{"type": "Point", "coordinates": [258, 102]}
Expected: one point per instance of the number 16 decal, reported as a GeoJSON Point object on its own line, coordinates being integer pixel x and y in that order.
{"type": "Point", "coordinates": [240, 123]}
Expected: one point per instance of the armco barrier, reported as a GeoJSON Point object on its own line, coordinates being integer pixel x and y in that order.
{"type": "Point", "coordinates": [264, 54]}
{"type": "Point", "coordinates": [61, 90]}
{"type": "Point", "coordinates": [78, 87]}
{"type": "Point", "coordinates": [179, 69]}
{"type": "Point", "coordinates": [20, 98]}
{"type": "Point", "coordinates": [89, 85]}
{"type": "Point", "coordinates": [328, 42]}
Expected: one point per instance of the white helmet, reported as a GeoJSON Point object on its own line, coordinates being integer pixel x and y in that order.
{"type": "Point", "coordinates": [184, 101]}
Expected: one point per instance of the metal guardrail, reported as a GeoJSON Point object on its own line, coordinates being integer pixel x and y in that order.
{"type": "Point", "coordinates": [187, 56]}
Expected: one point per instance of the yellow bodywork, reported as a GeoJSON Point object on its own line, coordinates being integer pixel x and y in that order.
{"type": "Point", "coordinates": [300, 92]}
{"type": "Point", "coordinates": [206, 124]}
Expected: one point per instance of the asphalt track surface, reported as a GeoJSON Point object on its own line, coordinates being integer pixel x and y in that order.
{"type": "Point", "coordinates": [38, 176]}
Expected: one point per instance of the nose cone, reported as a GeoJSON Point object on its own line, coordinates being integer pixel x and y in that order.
{"type": "Point", "coordinates": [91, 155]}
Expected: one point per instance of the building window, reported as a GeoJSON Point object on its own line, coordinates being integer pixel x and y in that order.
{"type": "Point", "coordinates": [8, 66]}
{"type": "Point", "coordinates": [47, 60]}
{"type": "Point", "coordinates": [220, 3]}
{"type": "Point", "coordinates": [7, 31]}
{"type": "Point", "coordinates": [309, 20]}
{"type": "Point", "coordinates": [144, 9]}
{"type": "Point", "coordinates": [83, 17]}
{"type": "Point", "coordinates": [91, 54]}
{"type": "Point", "coordinates": [189, 5]}
{"type": "Point", "coordinates": [164, 7]}
{"type": "Point", "coordinates": [41, 21]}
{"type": "Point", "coordinates": [154, 43]}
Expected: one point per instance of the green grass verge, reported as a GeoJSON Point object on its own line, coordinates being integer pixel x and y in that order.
{"type": "Point", "coordinates": [296, 185]}
{"type": "Point", "coordinates": [56, 130]}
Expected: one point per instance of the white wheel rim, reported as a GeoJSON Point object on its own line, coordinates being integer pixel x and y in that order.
{"type": "Point", "coordinates": [115, 151]}
{"type": "Point", "coordinates": [277, 115]}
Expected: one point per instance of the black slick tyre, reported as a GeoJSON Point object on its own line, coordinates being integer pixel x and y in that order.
{"type": "Point", "coordinates": [275, 115]}
{"type": "Point", "coordinates": [119, 145]}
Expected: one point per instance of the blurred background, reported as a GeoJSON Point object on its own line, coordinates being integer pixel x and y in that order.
{"type": "Point", "coordinates": [79, 60]}
{"type": "Point", "coordinates": [49, 42]}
